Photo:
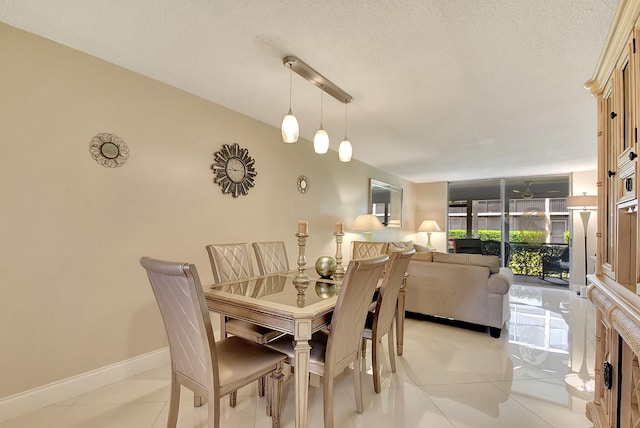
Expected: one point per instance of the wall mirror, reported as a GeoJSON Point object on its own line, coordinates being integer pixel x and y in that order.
{"type": "Point", "coordinates": [385, 202]}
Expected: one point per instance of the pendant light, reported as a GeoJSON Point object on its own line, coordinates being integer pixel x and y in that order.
{"type": "Point", "coordinates": [345, 150]}
{"type": "Point", "coordinates": [321, 139]}
{"type": "Point", "coordinates": [290, 129]}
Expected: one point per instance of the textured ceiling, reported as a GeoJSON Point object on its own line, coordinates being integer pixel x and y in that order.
{"type": "Point", "coordinates": [442, 89]}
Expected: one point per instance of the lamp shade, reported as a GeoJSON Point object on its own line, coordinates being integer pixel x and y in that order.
{"type": "Point", "coordinates": [582, 202]}
{"type": "Point", "coordinates": [290, 129]}
{"type": "Point", "coordinates": [367, 222]}
{"type": "Point", "coordinates": [321, 141]}
{"type": "Point", "coordinates": [345, 150]}
{"type": "Point", "coordinates": [429, 226]}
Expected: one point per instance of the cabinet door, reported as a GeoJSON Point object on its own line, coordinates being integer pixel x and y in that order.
{"type": "Point", "coordinates": [609, 153]}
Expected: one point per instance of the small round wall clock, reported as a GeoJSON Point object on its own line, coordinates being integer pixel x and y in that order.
{"type": "Point", "coordinates": [234, 170]}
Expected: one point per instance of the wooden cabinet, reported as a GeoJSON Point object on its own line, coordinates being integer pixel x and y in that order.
{"type": "Point", "coordinates": [615, 287]}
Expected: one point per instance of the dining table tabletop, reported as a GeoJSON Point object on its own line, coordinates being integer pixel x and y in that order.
{"type": "Point", "coordinates": [295, 303]}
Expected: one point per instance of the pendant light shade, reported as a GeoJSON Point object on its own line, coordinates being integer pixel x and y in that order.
{"type": "Point", "coordinates": [345, 150]}
{"type": "Point", "coordinates": [290, 129]}
{"type": "Point", "coordinates": [321, 139]}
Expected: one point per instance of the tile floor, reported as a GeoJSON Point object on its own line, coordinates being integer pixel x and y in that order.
{"type": "Point", "coordinates": [448, 377]}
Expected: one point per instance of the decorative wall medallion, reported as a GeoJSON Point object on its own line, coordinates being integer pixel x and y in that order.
{"type": "Point", "coordinates": [109, 150]}
{"type": "Point", "coordinates": [303, 184]}
{"type": "Point", "coordinates": [234, 170]}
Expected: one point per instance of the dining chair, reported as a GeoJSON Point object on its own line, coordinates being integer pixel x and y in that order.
{"type": "Point", "coordinates": [380, 322]}
{"type": "Point", "coordinates": [334, 349]}
{"type": "Point", "coordinates": [231, 262]}
{"type": "Point", "coordinates": [210, 369]}
{"type": "Point", "coordinates": [271, 257]}
{"type": "Point", "coordinates": [367, 249]}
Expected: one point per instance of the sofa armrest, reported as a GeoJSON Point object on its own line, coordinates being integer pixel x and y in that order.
{"type": "Point", "coordinates": [499, 283]}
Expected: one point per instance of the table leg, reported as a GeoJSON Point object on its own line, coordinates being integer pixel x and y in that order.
{"type": "Point", "coordinates": [302, 353]}
{"type": "Point", "coordinates": [400, 321]}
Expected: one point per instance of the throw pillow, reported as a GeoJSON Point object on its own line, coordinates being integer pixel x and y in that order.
{"type": "Point", "coordinates": [421, 248]}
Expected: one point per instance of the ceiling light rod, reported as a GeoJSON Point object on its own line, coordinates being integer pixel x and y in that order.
{"type": "Point", "coordinates": [306, 71]}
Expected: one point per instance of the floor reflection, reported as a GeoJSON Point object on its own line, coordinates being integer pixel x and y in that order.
{"type": "Point", "coordinates": [552, 334]}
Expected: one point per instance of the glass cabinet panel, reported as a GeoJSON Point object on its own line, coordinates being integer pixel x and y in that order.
{"type": "Point", "coordinates": [610, 180]}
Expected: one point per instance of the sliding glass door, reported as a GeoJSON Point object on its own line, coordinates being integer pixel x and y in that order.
{"type": "Point", "coordinates": [523, 220]}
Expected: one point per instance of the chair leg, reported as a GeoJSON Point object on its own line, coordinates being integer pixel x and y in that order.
{"type": "Point", "coordinates": [269, 395]}
{"type": "Point", "coordinates": [327, 398]}
{"type": "Point", "coordinates": [174, 403]}
{"type": "Point", "coordinates": [374, 364]}
{"type": "Point", "coordinates": [392, 352]}
{"type": "Point", "coordinates": [357, 383]}
{"type": "Point", "coordinates": [214, 411]}
{"type": "Point", "coordinates": [275, 396]}
{"type": "Point", "coordinates": [364, 348]}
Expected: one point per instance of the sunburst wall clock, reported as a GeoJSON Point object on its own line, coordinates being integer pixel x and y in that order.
{"type": "Point", "coordinates": [234, 170]}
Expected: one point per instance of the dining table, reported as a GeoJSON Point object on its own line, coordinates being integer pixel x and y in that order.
{"type": "Point", "coordinates": [293, 304]}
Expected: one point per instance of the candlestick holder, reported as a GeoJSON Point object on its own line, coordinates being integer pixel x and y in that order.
{"type": "Point", "coordinates": [339, 273]}
{"type": "Point", "coordinates": [301, 277]}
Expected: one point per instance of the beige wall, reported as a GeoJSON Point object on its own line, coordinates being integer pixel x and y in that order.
{"type": "Point", "coordinates": [431, 204]}
{"type": "Point", "coordinates": [72, 295]}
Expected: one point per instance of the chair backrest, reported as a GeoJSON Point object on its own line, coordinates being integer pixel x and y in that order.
{"type": "Point", "coordinates": [368, 249]}
{"type": "Point", "coordinates": [391, 283]}
{"type": "Point", "coordinates": [468, 245]}
{"type": "Point", "coordinates": [350, 313]}
{"type": "Point", "coordinates": [230, 261]}
{"type": "Point", "coordinates": [271, 257]}
{"type": "Point", "coordinates": [491, 247]}
{"type": "Point", "coordinates": [178, 292]}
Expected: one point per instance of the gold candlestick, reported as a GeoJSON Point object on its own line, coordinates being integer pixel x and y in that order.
{"type": "Point", "coordinates": [301, 276]}
{"type": "Point", "coordinates": [339, 273]}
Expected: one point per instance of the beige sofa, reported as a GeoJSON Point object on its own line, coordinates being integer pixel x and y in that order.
{"type": "Point", "coordinates": [464, 287]}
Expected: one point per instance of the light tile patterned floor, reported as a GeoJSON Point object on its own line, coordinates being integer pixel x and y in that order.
{"type": "Point", "coordinates": [448, 377]}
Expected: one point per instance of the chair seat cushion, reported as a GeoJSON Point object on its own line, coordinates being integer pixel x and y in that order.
{"type": "Point", "coordinates": [318, 344]}
{"type": "Point", "coordinates": [250, 331]}
{"type": "Point", "coordinates": [240, 359]}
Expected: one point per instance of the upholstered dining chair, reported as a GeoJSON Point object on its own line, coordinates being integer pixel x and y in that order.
{"type": "Point", "coordinates": [231, 262]}
{"type": "Point", "coordinates": [271, 257]}
{"type": "Point", "coordinates": [367, 249]}
{"type": "Point", "coordinates": [380, 322]}
{"type": "Point", "coordinates": [334, 349]}
{"type": "Point", "coordinates": [210, 369]}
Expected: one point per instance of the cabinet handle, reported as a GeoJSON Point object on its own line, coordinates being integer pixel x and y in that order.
{"type": "Point", "coordinates": [607, 374]}
{"type": "Point", "coordinates": [613, 115]}
{"type": "Point", "coordinates": [610, 173]}
{"type": "Point", "coordinates": [632, 155]}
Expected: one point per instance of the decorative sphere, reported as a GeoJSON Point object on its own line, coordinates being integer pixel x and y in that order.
{"type": "Point", "coordinates": [326, 266]}
{"type": "Point", "coordinates": [325, 290]}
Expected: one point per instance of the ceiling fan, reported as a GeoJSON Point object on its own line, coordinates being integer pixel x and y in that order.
{"type": "Point", "coordinates": [526, 193]}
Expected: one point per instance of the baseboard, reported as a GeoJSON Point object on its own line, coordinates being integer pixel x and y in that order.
{"type": "Point", "coordinates": [42, 396]}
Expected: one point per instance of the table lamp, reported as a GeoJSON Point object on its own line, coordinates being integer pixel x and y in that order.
{"type": "Point", "coordinates": [585, 203]}
{"type": "Point", "coordinates": [367, 223]}
{"type": "Point", "coordinates": [429, 226]}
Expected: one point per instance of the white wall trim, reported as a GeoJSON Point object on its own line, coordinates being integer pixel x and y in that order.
{"type": "Point", "coordinates": [42, 396]}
